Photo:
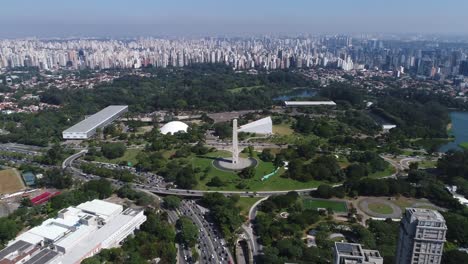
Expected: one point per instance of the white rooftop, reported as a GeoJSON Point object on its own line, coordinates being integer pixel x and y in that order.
{"type": "Point", "coordinates": [174, 127]}
{"type": "Point", "coordinates": [308, 103]}
{"type": "Point", "coordinates": [101, 208]}
{"type": "Point", "coordinates": [93, 121]}
{"type": "Point", "coordinates": [101, 234]}
{"type": "Point", "coordinates": [261, 126]}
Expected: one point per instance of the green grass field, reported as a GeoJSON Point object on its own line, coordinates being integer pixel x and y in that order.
{"type": "Point", "coordinates": [336, 206]}
{"type": "Point", "coordinates": [380, 174]}
{"type": "Point", "coordinates": [380, 208]}
{"type": "Point", "coordinates": [427, 164]}
{"type": "Point", "coordinates": [283, 129]}
{"type": "Point", "coordinates": [245, 203]}
{"type": "Point", "coordinates": [130, 155]}
{"type": "Point", "coordinates": [245, 88]}
{"type": "Point", "coordinates": [464, 145]}
{"type": "Point", "coordinates": [405, 202]}
{"type": "Point", "coordinates": [231, 179]}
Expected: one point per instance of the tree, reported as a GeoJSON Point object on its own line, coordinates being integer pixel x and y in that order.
{"type": "Point", "coordinates": [356, 171]}
{"type": "Point", "coordinates": [324, 191]}
{"type": "Point", "coordinates": [102, 187]}
{"type": "Point", "coordinates": [57, 178]}
{"type": "Point", "coordinates": [224, 212]}
{"type": "Point", "coordinates": [413, 165]}
{"type": "Point", "coordinates": [113, 150]}
{"type": "Point", "coordinates": [185, 178]}
{"type": "Point", "coordinates": [247, 173]}
{"type": "Point", "coordinates": [223, 130]}
{"type": "Point", "coordinates": [266, 155]}
{"type": "Point", "coordinates": [278, 161]}
{"type": "Point", "coordinates": [215, 182]}
{"type": "Point", "coordinates": [54, 155]}
{"type": "Point", "coordinates": [8, 230]}
{"type": "Point", "coordinates": [171, 202]}
{"type": "Point", "coordinates": [454, 257]}
{"type": "Point", "coordinates": [188, 231]}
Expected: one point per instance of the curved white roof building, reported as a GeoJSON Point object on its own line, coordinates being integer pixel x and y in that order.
{"type": "Point", "coordinates": [261, 126]}
{"type": "Point", "coordinates": [174, 127]}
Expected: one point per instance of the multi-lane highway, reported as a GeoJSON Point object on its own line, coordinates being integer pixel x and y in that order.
{"type": "Point", "coordinates": [212, 247]}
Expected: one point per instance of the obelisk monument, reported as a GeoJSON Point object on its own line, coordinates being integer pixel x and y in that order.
{"type": "Point", "coordinates": [235, 147]}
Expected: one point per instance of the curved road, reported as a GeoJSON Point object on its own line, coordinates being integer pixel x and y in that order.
{"type": "Point", "coordinates": [68, 163]}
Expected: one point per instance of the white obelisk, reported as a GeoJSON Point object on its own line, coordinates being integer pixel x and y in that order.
{"type": "Point", "coordinates": [235, 147]}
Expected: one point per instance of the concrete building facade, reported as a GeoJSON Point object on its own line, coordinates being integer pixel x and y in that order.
{"type": "Point", "coordinates": [422, 237]}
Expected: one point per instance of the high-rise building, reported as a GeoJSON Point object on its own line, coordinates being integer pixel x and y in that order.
{"type": "Point", "coordinates": [350, 253]}
{"type": "Point", "coordinates": [464, 68]}
{"type": "Point", "coordinates": [422, 237]}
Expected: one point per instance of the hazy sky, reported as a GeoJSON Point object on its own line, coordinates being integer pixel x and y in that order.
{"type": "Point", "coordinates": [21, 18]}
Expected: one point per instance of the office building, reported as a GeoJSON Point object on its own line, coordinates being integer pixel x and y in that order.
{"type": "Point", "coordinates": [75, 234]}
{"type": "Point", "coordinates": [422, 237]}
{"type": "Point", "coordinates": [463, 70]}
{"type": "Point", "coordinates": [87, 128]}
{"type": "Point", "coordinates": [350, 253]}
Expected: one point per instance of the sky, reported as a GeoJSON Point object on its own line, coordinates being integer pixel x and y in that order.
{"type": "Point", "coordinates": [107, 18]}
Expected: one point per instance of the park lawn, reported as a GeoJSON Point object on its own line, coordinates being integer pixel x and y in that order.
{"type": "Point", "coordinates": [283, 129]}
{"type": "Point", "coordinates": [405, 202]}
{"type": "Point", "coordinates": [380, 208]}
{"type": "Point", "coordinates": [428, 143]}
{"type": "Point", "coordinates": [10, 181]}
{"type": "Point", "coordinates": [129, 156]}
{"type": "Point", "coordinates": [427, 164]}
{"type": "Point", "coordinates": [245, 203]}
{"type": "Point", "coordinates": [245, 88]}
{"type": "Point", "coordinates": [464, 145]}
{"type": "Point", "coordinates": [413, 152]}
{"type": "Point", "coordinates": [231, 179]}
{"type": "Point", "coordinates": [314, 204]}
{"type": "Point", "coordinates": [144, 129]}
{"type": "Point", "coordinates": [294, 139]}
{"type": "Point", "coordinates": [385, 173]}
{"type": "Point", "coordinates": [343, 161]}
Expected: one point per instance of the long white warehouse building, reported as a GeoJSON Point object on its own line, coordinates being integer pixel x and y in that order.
{"type": "Point", "coordinates": [87, 128]}
{"type": "Point", "coordinates": [75, 234]}
{"type": "Point", "coordinates": [308, 103]}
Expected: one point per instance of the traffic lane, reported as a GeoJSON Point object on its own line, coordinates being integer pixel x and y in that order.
{"type": "Point", "coordinates": [218, 241]}
{"type": "Point", "coordinates": [208, 239]}
{"type": "Point", "coordinates": [206, 251]}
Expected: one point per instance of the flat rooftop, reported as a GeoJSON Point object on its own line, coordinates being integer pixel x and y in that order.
{"type": "Point", "coordinates": [44, 256]}
{"type": "Point", "coordinates": [85, 246]}
{"type": "Point", "coordinates": [93, 121]}
{"type": "Point", "coordinates": [101, 208]}
{"type": "Point", "coordinates": [308, 103]}
{"type": "Point", "coordinates": [349, 249]}
{"type": "Point", "coordinates": [19, 246]}
{"type": "Point", "coordinates": [422, 214]}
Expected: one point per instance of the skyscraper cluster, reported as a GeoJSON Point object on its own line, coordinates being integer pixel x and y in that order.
{"type": "Point", "coordinates": [421, 58]}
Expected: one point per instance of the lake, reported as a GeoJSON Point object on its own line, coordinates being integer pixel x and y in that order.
{"type": "Point", "coordinates": [459, 131]}
{"type": "Point", "coordinates": [297, 93]}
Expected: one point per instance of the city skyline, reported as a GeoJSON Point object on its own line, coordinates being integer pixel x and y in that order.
{"type": "Point", "coordinates": [52, 18]}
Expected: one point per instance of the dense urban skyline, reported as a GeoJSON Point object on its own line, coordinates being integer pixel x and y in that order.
{"type": "Point", "coordinates": [52, 18]}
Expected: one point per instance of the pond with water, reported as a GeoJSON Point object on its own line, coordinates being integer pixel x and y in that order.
{"type": "Point", "coordinates": [459, 131]}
